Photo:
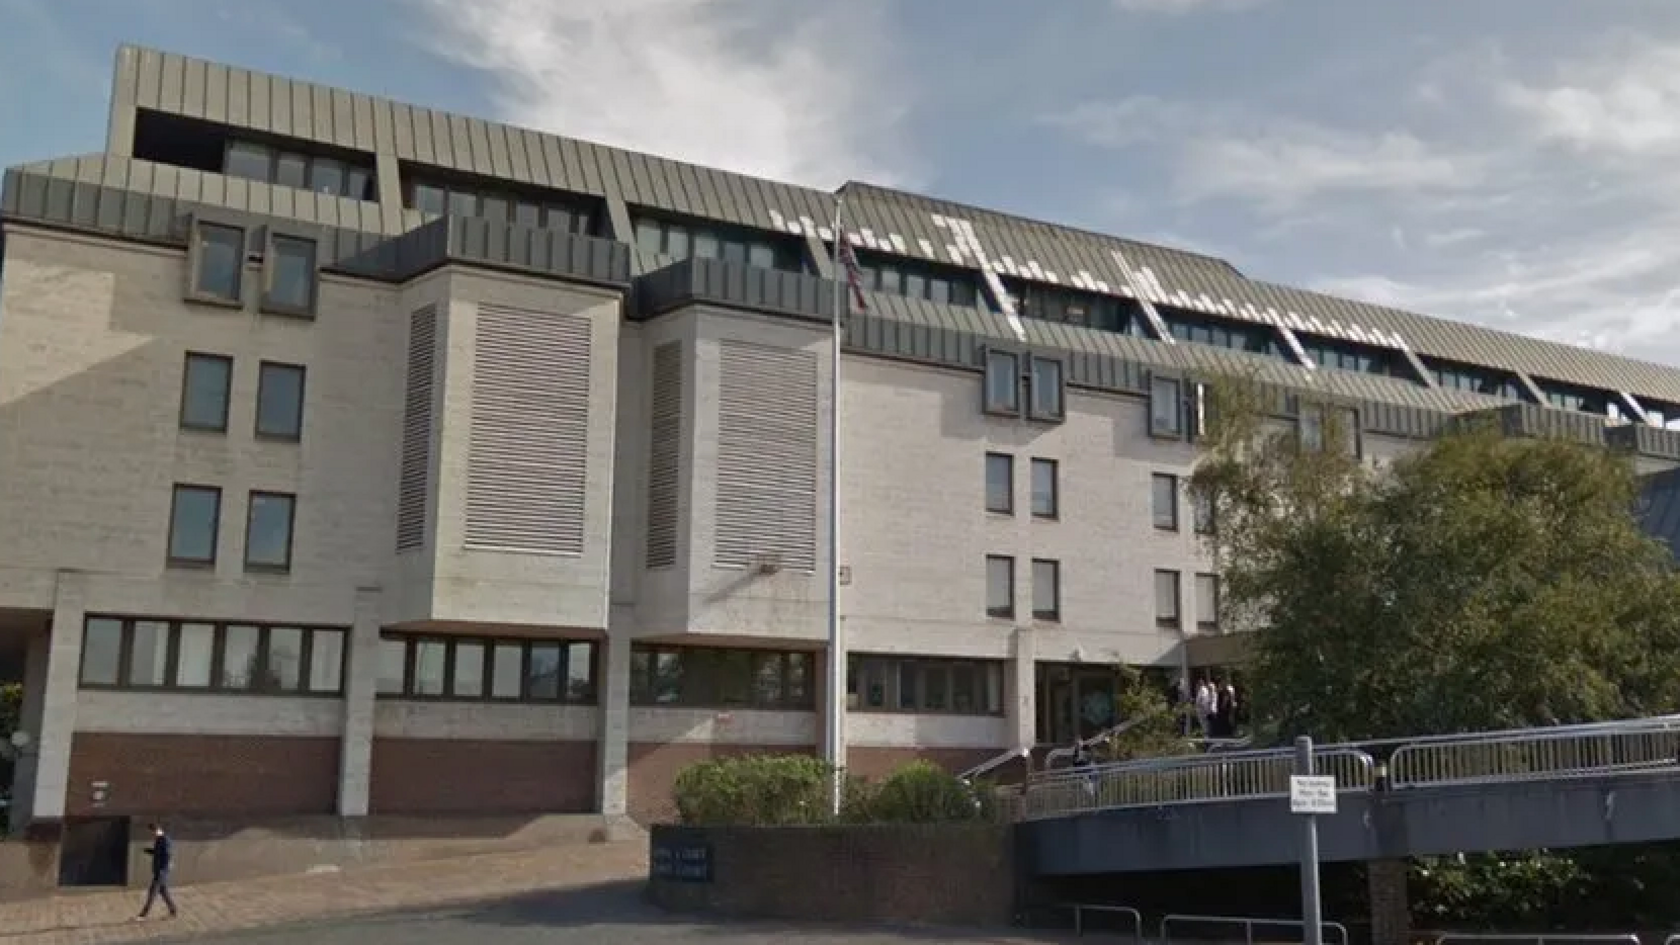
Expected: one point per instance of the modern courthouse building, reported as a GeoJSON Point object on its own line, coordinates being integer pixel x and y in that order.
{"type": "Point", "coordinates": [358, 458]}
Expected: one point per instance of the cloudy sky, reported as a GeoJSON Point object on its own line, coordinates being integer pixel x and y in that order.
{"type": "Point", "coordinates": [1515, 162]}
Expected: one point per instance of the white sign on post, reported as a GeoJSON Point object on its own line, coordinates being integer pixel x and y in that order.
{"type": "Point", "coordinates": [1312, 794]}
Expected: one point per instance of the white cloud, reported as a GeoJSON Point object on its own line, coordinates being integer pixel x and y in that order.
{"type": "Point", "coordinates": [1625, 102]}
{"type": "Point", "coordinates": [749, 85]}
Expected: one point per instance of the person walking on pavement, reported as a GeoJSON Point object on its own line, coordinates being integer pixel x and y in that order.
{"type": "Point", "coordinates": [162, 851]}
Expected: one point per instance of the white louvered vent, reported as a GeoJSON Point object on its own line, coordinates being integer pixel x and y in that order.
{"type": "Point", "coordinates": [766, 457]}
{"type": "Point", "coordinates": [416, 464]}
{"type": "Point", "coordinates": [665, 456]}
{"type": "Point", "coordinates": [526, 457]}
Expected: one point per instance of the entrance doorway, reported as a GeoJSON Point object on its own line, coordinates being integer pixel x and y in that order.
{"type": "Point", "coordinates": [94, 852]}
{"type": "Point", "coordinates": [1075, 701]}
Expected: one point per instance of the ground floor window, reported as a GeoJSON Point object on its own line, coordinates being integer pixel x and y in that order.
{"type": "Point", "coordinates": [210, 656]}
{"type": "Point", "coordinates": [914, 684]}
{"type": "Point", "coordinates": [478, 669]}
{"type": "Point", "coordinates": [705, 677]}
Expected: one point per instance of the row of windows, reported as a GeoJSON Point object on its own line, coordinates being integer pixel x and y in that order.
{"type": "Point", "coordinates": [195, 518]}
{"type": "Point", "coordinates": [1477, 380]}
{"type": "Point", "coordinates": [323, 175]}
{"type": "Point", "coordinates": [470, 669]}
{"type": "Point", "coordinates": [216, 260]}
{"type": "Point", "coordinates": [1346, 356]}
{"type": "Point", "coordinates": [130, 653]}
{"type": "Point", "coordinates": [1237, 335]}
{"type": "Point", "coordinates": [498, 205]}
{"type": "Point", "coordinates": [720, 678]}
{"type": "Point", "coordinates": [1047, 593]}
{"type": "Point", "coordinates": [924, 686]}
{"type": "Point", "coordinates": [1000, 485]}
{"type": "Point", "coordinates": [1023, 385]}
{"type": "Point", "coordinates": [917, 281]}
{"type": "Point", "coordinates": [681, 241]}
{"type": "Point", "coordinates": [206, 389]}
{"type": "Point", "coordinates": [1073, 307]}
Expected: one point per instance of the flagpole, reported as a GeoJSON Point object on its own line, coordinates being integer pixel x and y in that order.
{"type": "Point", "coordinates": [835, 716]}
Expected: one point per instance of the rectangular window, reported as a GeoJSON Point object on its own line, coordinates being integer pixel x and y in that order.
{"type": "Point", "coordinates": [1003, 383]}
{"type": "Point", "coordinates": [148, 654]}
{"type": "Point", "coordinates": [1000, 587]}
{"type": "Point", "coordinates": [326, 660]}
{"type": "Point", "coordinates": [217, 263]}
{"type": "Point", "coordinates": [1164, 500]}
{"type": "Point", "coordinates": [291, 170]}
{"type": "Point", "coordinates": [393, 666]}
{"type": "Point", "coordinates": [1046, 589]}
{"type": "Point", "coordinates": [268, 531]}
{"type": "Point", "coordinates": [194, 514]}
{"type": "Point", "coordinates": [195, 655]}
{"type": "Point", "coordinates": [1046, 503]}
{"type": "Point", "coordinates": [326, 176]}
{"type": "Point", "coordinates": [1310, 426]}
{"type": "Point", "coordinates": [926, 686]}
{"type": "Point", "coordinates": [205, 383]}
{"type": "Point", "coordinates": [1166, 414]}
{"type": "Point", "coordinates": [1000, 483]}
{"type": "Point", "coordinates": [1202, 514]}
{"type": "Point", "coordinates": [429, 198]}
{"type": "Point", "coordinates": [712, 678]}
{"type": "Point", "coordinates": [241, 657]}
{"type": "Point", "coordinates": [1047, 390]}
{"type": "Point", "coordinates": [102, 644]}
{"type": "Point", "coordinates": [280, 401]}
{"type": "Point", "coordinates": [283, 660]}
{"type": "Point", "coordinates": [1166, 600]}
{"type": "Point", "coordinates": [475, 669]}
{"type": "Point", "coordinates": [249, 161]}
{"type": "Point", "coordinates": [1207, 602]}
{"type": "Point", "coordinates": [289, 276]}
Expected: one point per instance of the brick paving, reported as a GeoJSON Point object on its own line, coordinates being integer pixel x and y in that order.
{"type": "Point", "coordinates": [106, 916]}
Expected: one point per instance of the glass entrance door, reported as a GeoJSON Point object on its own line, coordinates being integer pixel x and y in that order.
{"type": "Point", "coordinates": [1074, 702]}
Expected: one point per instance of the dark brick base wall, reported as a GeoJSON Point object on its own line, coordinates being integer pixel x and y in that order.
{"type": "Point", "coordinates": [450, 776]}
{"type": "Point", "coordinates": [176, 775]}
{"type": "Point", "coordinates": [955, 875]}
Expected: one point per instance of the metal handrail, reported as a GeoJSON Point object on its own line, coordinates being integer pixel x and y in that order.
{"type": "Point", "coordinates": [1056, 754]}
{"type": "Point", "coordinates": [1542, 938]}
{"type": "Point", "coordinates": [1564, 751]}
{"type": "Point", "coordinates": [1547, 754]}
{"type": "Point", "coordinates": [1248, 925]}
{"type": "Point", "coordinates": [992, 764]}
{"type": "Point", "coordinates": [1200, 779]}
{"type": "Point", "coordinates": [1080, 908]}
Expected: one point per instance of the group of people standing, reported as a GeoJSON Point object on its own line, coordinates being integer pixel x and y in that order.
{"type": "Point", "coordinates": [1213, 708]}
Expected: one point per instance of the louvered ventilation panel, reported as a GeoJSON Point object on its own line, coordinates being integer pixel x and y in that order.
{"type": "Point", "coordinates": [766, 457]}
{"type": "Point", "coordinates": [526, 456]}
{"type": "Point", "coordinates": [417, 429]}
{"type": "Point", "coordinates": [665, 456]}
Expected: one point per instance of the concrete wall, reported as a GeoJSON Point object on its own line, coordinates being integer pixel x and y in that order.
{"type": "Point", "coordinates": [949, 875]}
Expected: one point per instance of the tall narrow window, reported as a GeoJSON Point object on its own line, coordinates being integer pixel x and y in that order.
{"type": "Point", "coordinates": [1207, 602]}
{"type": "Point", "coordinates": [1047, 391]}
{"type": "Point", "coordinates": [290, 276]}
{"type": "Point", "coordinates": [1202, 514]}
{"type": "Point", "coordinates": [217, 262]}
{"type": "Point", "coordinates": [1046, 503]}
{"type": "Point", "coordinates": [280, 401]}
{"type": "Point", "coordinates": [205, 383]}
{"type": "Point", "coordinates": [1166, 415]}
{"type": "Point", "coordinates": [1310, 425]}
{"type": "Point", "coordinates": [195, 512]}
{"type": "Point", "coordinates": [1046, 589]}
{"type": "Point", "coordinates": [1003, 383]}
{"type": "Point", "coordinates": [268, 531]}
{"type": "Point", "coordinates": [1164, 499]}
{"type": "Point", "coordinates": [1000, 587]}
{"type": "Point", "coordinates": [1000, 483]}
{"type": "Point", "coordinates": [1166, 600]}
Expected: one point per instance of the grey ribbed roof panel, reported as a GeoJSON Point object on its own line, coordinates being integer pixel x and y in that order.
{"type": "Point", "coordinates": [1016, 246]}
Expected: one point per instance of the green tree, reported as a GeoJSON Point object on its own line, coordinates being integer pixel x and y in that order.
{"type": "Point", "coordinates": [1478, 582]}
{"type": "Point", "coordinates": [1156, 729]}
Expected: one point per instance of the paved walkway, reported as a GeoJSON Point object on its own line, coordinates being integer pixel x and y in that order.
{"type": "Point", "coordinates": [99, 917]}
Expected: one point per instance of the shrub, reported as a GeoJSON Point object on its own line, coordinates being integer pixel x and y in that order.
{"type": "Point", "coordinates": [924, 793]}
{"type": "Point", "coordinates": [754, 790]}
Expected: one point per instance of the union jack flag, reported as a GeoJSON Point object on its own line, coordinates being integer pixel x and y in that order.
{"type": "Point", "coordinates": [854, 273]}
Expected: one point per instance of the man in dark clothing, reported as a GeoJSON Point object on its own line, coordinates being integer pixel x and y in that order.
{"type": "Point", "coordinates": [162, 851]}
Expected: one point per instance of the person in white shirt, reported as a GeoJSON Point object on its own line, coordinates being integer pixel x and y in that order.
{"type": "Point", "coordinates": [1206, 703]}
